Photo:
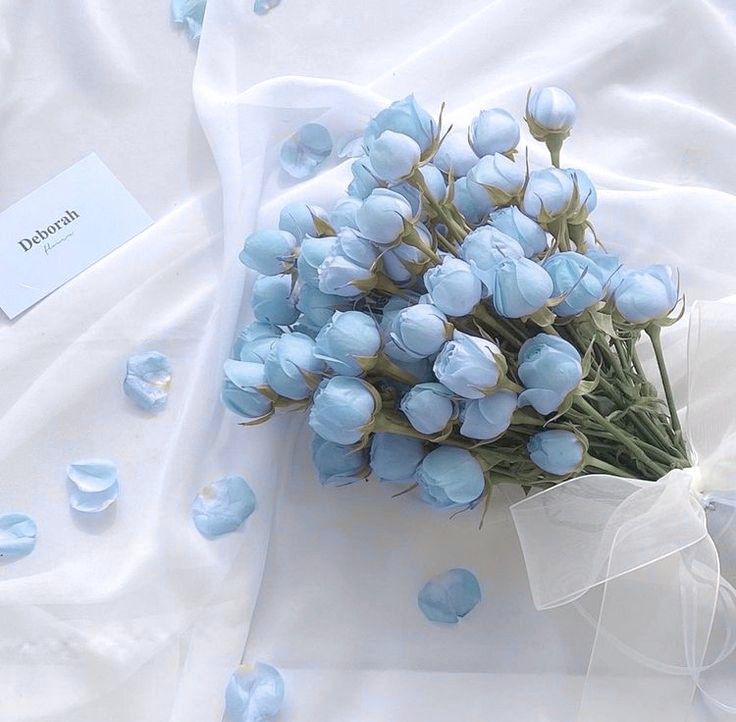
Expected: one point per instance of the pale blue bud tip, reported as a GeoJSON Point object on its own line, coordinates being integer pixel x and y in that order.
{"type": "Point", "coordinates": [93, 484]}
{"type": "Point", "coordinates": [147, 380]}
{"type": "Point", "coordinates": [449, 596]}
{"type": "Point", "coordinates": [17, 534]}
{"type": "Point", "coordinates": [222, 506]}
{"type": "Point", "coordinates": [254, 693]}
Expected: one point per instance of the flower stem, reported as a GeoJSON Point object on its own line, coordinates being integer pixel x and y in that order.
{"type": "Point", "coordinates": [605, 466]}
{"type": "Point", "coordinates": [654, 333]}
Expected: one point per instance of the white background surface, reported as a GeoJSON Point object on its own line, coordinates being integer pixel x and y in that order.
{"type": "Point", "coordinates": [135, 617]}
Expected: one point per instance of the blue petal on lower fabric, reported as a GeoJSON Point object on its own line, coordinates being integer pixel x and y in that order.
{"type": "Point", "coordinates": [190, 13]}
{"type": "Point", "coordinates": [449, 596]}
{"type": "Point", "coordinates": [17, 534]}
{"type": "Point", "coordinates": [223, 505]}
{"type": "Point", "coordinates": [306, 150]}
{"type": "Point", "coordinates": [254, 693]}
{"type": "Point", "coordinates": [147, 380]}
{"type": "Point", "coordinates": [261, 7]}
{"type": "Point", "coordinates": [93, 501]}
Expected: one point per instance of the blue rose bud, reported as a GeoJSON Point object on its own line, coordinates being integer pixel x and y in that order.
{"type": "Point", "coordinates": [548, 195]}
{"type": "Point", "coordinates": [585, 197]}
{"type": "Point", "coordinates": [453, 287]}
{"type": "Point", "coordinates": [344, 409]}
{"type": "Point", "coordinates": [383, 215]}
{"type": "Point", "coordinates": [429, 407]}
{"type": "Point", "coordinates": [528, 234]}
{"type": "Point", "coordinates": [473, 209]}
{"type": "Point", "coordinates": [646, 294]}
{"type": "Point", "coordinates": [488, 417]}
{"type": "Point", "coordinates": [349, 343]}
{"type": "Point", "coordinates": [292, 370]}
{"type": "Point", "coordinates": [520, 287]}
{"type": "Point", "coordinates": [269, 252]}
{"type": "Point", "coordinates": [496, 178]}
{"type": "Point", "coordinates": [318, 307]}
{"type": "Point", "coordinates": [420, 330]}
{"type": "Point", "coordinates": [609, 269]}
{"type": "Point", "coordinates": [246, 391]}
{"type": "Point", "coordinates": [365, 180]}
{"type": "Point", "coordinates": [337, 464]}
{"type": "Point", "coordinates": [484, 248]}
{"type": "Point", "coordinates": [272, 301]}
{"type": "Point", "coordinates": [449, 475]}
{"type": "Point", "coordinates": [557, 451]}
{"type": "Point", "coordinates": [394, 156]}
{"type": "Point", "coordinates": [403, 263]}
{"type": "Point", "coordinates": [455, 155]}
{"type": "Point", "coordinates": [469, 366]}
{"type": "Point", "coordinates": [404, 116]}
{"type": "Point", "coordinates": [395, 458]}
{"type": "Point", "coordinates": [493, 131]}
{"type": "Point", "coordinates": [349, 268]}
{"type": "Point", "coordinates": [550, 111]}
{"type": "Point", "coordinates": [299, 219]}
{"type": "Point", "coordinates": [255, 341]}
{"type": "Point", "coordinates": [311, 256]}
{"type": "Point", "coordinates": [549, 368]}
{"type": "Point", "coordinates": [577, 279]}
{"type": "Point", "coordinates": [435, 182]}
{"type": "Point", "coordinates": [343, 214]}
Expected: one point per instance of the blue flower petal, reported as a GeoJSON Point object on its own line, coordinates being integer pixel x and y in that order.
{"type": "Point", "coordinates": [223, 505]}
{"type": "Point", "coordinates": [261, 7]}
{"type": "Point", "coordinates": [92, 475]}
{"type": "Point", "coordinates": [17, 534]}
{"type": "Point", "coordinates": [147, 380]}
{"type": "Point", "coordinates": [449, 596]}
{"type": "Point", "coordinates": [93, 501]}
{"type": "Point", "coordinates": [191, 13]}
{"type": "Point", "coordinates": [254, 693]}
{"type": "Point", "coordinates": [306, 150]}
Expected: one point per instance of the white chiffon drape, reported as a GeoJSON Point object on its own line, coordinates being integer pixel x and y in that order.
{"type": "Point", "coordinates": [136, 617]}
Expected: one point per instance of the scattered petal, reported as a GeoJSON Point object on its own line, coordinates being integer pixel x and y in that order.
{"type": "Point", "coordinates": [306, 150]}
{"type": "Point", "coordinates": [93, 501]}
{"type": "Point", "coordinates": [254, 693]}
{"type": "Point", "coordinates": [449, 596]}
{"type": "Point", "coordinates": [351, 147]}
{"type": "Point", "coordinates": [261, 7]}
{"type": "Point", "coordinates": [92, 475]}
{"type": "Point", "coordinates": [94, 484]}
{"type": "Point", "coordinates": [223, 505]}
{"type": "Point", "coordinates": [17, 534]}
{"type": "Point", "coordinates": [147, 380]}
{"type": "Point", "coordinates": [190, 13]}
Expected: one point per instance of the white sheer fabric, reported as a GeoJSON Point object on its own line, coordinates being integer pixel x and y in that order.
{"type": "Point", "coordinates": [138, 618]}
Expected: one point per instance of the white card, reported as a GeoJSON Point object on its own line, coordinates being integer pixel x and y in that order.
{"type": "Point", "coordinates": [60, 229]}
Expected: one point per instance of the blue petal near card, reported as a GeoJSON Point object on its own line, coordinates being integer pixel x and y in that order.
{"type": "Point", "coordinates": [17, 534]}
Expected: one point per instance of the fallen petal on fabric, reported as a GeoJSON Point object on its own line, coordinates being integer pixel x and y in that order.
{"type": "Point", "coordinates": [93, 501]}
{"type": "Point", "coordinates": [92, 475]}
{"type": "Point", "coordinates": [306, 150]}
{"type": "Point", "coordinates": [191, 14]}
{"type": "Point", "coordinates": [449, 596]}
{"type": "Point", "coordinates": [147, 380]}
{"type": "Point", "coordinates": [261, 7]}
{"type": "Point", "coordinates": [17, 534]}
{"type": "Point", "coordinates": [223, 505]}
{"type": "Point", "coordinates": [254, 694]}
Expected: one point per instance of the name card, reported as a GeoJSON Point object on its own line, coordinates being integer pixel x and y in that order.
{"type": "Point", "coordinates": [62, 228]}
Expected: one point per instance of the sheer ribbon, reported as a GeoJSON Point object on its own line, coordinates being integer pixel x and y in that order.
{"type": "Point", "coordinates": [661, 555]}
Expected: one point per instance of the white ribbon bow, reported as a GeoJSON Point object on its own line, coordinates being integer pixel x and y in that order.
{"type": "Point", "coordinates": [659, 553]}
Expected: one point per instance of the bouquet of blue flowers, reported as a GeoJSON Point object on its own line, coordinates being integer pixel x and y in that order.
{"type": "Point", "coordinates": [454, 322]}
